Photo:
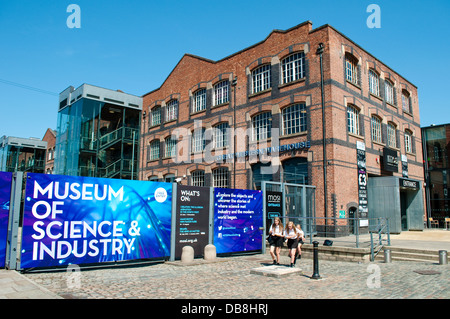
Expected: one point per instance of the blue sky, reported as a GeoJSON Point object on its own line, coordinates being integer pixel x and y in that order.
{"type": "Point", "coordinates": [134, 45]}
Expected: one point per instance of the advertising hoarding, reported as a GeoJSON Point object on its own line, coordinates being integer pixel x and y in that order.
{"type": "Point", "coordinates": [85, 220]}
{"type": "Point", "coordinates": [192, 219]}
{"type": "Point", "coordinates": [5, 194]}
{"type": "Point", "coordinates": [238, 220]}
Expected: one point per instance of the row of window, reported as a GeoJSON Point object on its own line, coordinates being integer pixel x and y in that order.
{"type": "Point", "coordinates": [293, 122]}
{"type": "Point", "coordinates": [292, 69]}
{"type": "Point", "coordinates": [376, 130]}
{"type": "Point", "coordinates": [375, 86]}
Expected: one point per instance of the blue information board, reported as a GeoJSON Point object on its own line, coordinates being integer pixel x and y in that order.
{"type": "Point", "coordinates": [238, 219]}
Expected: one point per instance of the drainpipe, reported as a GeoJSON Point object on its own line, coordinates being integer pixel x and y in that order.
{"type": "Point", "coordinates": [319, 51]}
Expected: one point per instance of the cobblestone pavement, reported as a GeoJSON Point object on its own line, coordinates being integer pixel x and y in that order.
{"type": "Point", "coordinates": [231, 279]}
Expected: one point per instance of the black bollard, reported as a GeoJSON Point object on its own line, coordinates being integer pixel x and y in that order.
{"type": "Point", "coordinates": [316, 260]}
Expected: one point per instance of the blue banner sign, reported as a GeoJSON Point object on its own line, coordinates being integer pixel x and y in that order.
{"type": "Point", "coordinates": [5, 194]}
{"type": "Point", "coordinates": [84, 220]}
{"type": "Point", "coordinates": [238, 219]}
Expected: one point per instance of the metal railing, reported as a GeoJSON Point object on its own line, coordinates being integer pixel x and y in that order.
{"type": "Point", "coordinates": [345, 232]}
{"type": "Point", "coordinates": [383, 234]}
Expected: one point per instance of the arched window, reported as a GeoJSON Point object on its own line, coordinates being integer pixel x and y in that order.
{"type": "Point", "coordinates": [374, 83]}
{"type": "Point", "coordinates": [351, 69]}
{"type": "Point", "coordinates": [153, 150]}
{"type": "Point", "coordinates": [375, 125]}
{"type": "Point", "coordinates": [221, 177]}
{"type": "Point", "coordinates": [294, 119]}
{"type": "Point", "coordinates": [155, 117]}
{"type": "Point", "coordinates": [261, 78]}
{"type": "Point", "coordinates": [261, 126]}
{"type": "Point", "coordinates": [389, 91]}
{"type": "Point", "coordinates": [198, 178]}
{"type": "Point", "coordinates": [293, 67]}
{"type": "Point", "coordinates": [199, 101]}
{"type": "Point", "coordinates": [392, 135]}
{"type": "Point", "coordinates": [221, 92]}
{"type": "Point", "coordinates": [353, 119]}
{"type": "Point", "coordinates": [220, 135]}
{"type": "Point", "coordinates": [408, 141]}
{"type": "Point", "coordinates": [171, 110]}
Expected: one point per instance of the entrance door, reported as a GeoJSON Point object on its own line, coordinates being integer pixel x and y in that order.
{"type": "Point", "coordinates": [403, 209]}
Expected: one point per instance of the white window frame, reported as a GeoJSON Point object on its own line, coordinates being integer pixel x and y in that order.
{"type": "Point", "coordinates": [220, 135]}
{"type": "Point", "coordinates": [406, 106]}
{"type": "Point", "coordinates": [198, 140]}
{"type": "Point", "coordinates": [170, 147]}
{"type": "Point", "coordinates": [293, 67]}
{"type": "Point", "coordinates": [261, 78]}
{"type": "Point", "coordinates": [375, 125]}
{"type": "Point", "coordinates": [198, 178]}
{"type": "Point", "coordinates": [171, 110]}
{"type": "Point", "coordinates": [155, 116]}
{"type": "Point", "coordinates": [392, 135]}
{"type": "Point", "coordinates": [353, 119]}
{"type": "Point", "coordinates": [374, 83]}
{"type": "Point", "coordinates": [389, 92]}
{"type": "Point", "coordinates": [351, 69]}
{"type": "Point", "coordinates": [294, 119]}
{"type": "Point", "coordinates": [408, 141]}
{"type": "Point", "coordinates": [221, 92]}
{"type": "Point", "coordinates": [261, 126]}
{"type": "Point", "coordinates": [221, 177]}
{"type": "Point", "coordinates": [154, 150]}
{"type": "Point", "coordinates": [199, 101]}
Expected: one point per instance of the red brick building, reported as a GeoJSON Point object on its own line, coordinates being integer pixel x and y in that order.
{"type": "Point", "coordinates": [50, 138]}
{"type": "Point", "coordinates": [217, 123]}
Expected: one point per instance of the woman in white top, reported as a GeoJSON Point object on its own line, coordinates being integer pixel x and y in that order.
{"type": "Point", "coordinates": [301, 240]}
{"type": "Point", "coordinates": [291, 235]}
{"type": "Point", "coordinates": [276, 231]}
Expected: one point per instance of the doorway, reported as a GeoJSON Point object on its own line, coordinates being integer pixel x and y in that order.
{"type": "Point", "coordinates": [351, 221]}
{"type": "Point", "coordinates": [404, 209]}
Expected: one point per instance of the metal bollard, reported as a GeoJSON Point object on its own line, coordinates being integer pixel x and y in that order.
{"type": "Point", "coordinates": [316, 260]}
{"type": "Point", "coordinates": [387, 256]}
{"type": "Point", "coordinates": [443, 257]}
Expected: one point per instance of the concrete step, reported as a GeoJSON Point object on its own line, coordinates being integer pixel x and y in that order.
{"type": "Point", "coordinates": [410, 254]}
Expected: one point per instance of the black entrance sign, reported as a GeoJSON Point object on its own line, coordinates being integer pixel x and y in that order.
{"type": "Point", "coordinates": [192, 219]}
{"type": "Point", "coordinates": [274, 207]}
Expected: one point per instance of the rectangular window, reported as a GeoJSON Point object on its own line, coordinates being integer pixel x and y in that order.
{"type": "Point", "coordinates": [262, 126]}
{"type": "Point", "coordinates": [352, 119]}
{"type": "Point", "coordinates": [374, 83]}
{"type": "Point", "coordinates": [293, 67]}
{"type": "Point", "coordinates": [171, 110]}
{"type": "Point", "coordinates": [294, 119]}
{"type": "Point", "coordinates": [261, 79]}
{"type": "Point", "coordinates": [391, 135]}
{"type": "Point", "coordinates": [375, 124]}
{"type": "Point", "coordinates": [221, 92]}
{"type": "Point", "coordinates": [199, 101]}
